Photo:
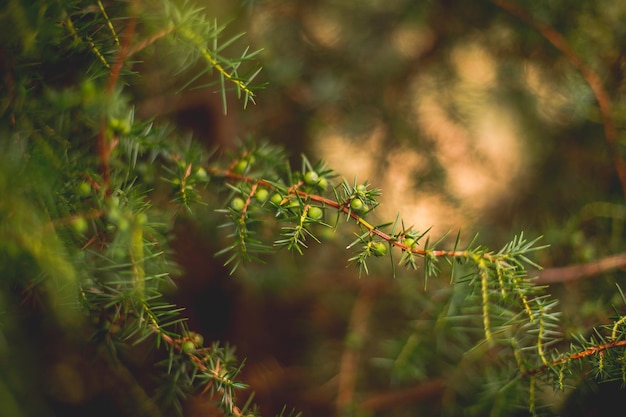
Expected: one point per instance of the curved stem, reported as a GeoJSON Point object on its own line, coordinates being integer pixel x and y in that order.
{"type": "Point", "coordinates": [581, 271]}
{"type": "Point", "coordinates": [591, 77]}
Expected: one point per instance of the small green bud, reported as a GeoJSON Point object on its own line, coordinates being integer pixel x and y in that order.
{"type": "Point", "coordinates": [123, 224]}
{"type": "Point", "coordinates": [114, 215]}
{"type": "Point", "coordinates": [261, 195]}
{"type": "Point", "coordinates": [244, 164]}
{"type": "Point", "coordinates": [188, 346]}
{"type": "Point", "coordinates": [141, 218]}
{"type": "Point", "coordinates": [196, 338]}
{"type": "Point", "coordinates": [292, 204]}
{"type": "Point", "coordinates": [119, 127]}
{"type": "Point", "coordinates": [276, 199]}
{"type": "Point", "coordinates": [357, 205]}
{"type": "Point", "coordinates": [114, 202]}
{"type": "Point", "coordinates": [410, 242]}
{"type": "Point", "coordinates": [315, 213]}
{"type": "Point", "coordinates": [202, 175]}
{"type": "Point", "coordinates": [241, 166]}
{"type": "Point", "coordinates": [378, 249]}
{"type": "Point", "coordinates": [79, 224]}
{"type": "Point", "coordinates": [322, 184]}
{"type": "Point", "coordinates": [84, 189]}
{"type": "Point", "coordinates": [238, 204]}
{"type": "Point", "coordinates": [311, 178]}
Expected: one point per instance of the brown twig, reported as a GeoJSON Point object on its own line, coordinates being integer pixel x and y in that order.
{"type": "Point", "coordinates": [122, 54]}
{"type": "Point", "coordinates": [600, 349]}
{"type": "Point", "coordinates": [149, 41]}
{"type": "Point", "coordinates": [581, 271]}
{"type": "Point", "coordinates": [104, 145]}
{"type": "Point", "coordinates": [431, 389]}
{"type": "Point", "coordinates": [591, 77]}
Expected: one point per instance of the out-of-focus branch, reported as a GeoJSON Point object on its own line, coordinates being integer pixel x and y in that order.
{"type": "Point", "coordinates": [357, 332]}
{"type": "Point", "coordinates": [581, 271]}
{"type": "Point", "coordinates": [591, 77]}
{"type": "Point", "coordinates": [104, 144]}
{"type": "Point", "coordinates": [429, 390]}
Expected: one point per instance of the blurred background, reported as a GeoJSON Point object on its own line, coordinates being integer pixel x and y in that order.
{"type": "Point", "coordinates": [484, 117]}
{"type": "Point", "coordinates": [478, 117]}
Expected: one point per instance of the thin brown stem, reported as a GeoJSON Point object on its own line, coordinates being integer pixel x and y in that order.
{"type": "Point", "coordinates": [105, 145]}
{"type": "Point", "coordinates": [429, 390]}
{"type": "Point", "coordinates": [600, 349]}
{"type": "Point", "coordinates": [580, 271]}
{"type": "Point", "coordinates": [149, 41]}
{"type": "Point", "coordinates": [591, 77]}
{"type": "Point", "coordinates": [122, 54]}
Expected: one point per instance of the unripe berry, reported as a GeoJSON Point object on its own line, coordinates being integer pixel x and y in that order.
{"type": "Point", "coordinates": [84, 189]}
{"type": "Point", "coordinates": [276, 199]}
{"type": "Point", "coordinates": [238, 204]}
{"type": "Point", "coordinates": [196, 338]}
{"type": "Point", "coordinates": [119, 127]}
{"type": "Point", "coordinates": [410, 242]}
{"type": "Point", "coordinates": [79, 224]}
{"type": "Point", "coordinates": [188, 346]}
{"type": "Point", "coordinates": [123, 224]}
{"type": "Point", "coordinates": [357, 205]}
{"type": "Point", "coordinates": [202, 175]}
{"type": "Point", "coordinates": [322, 183]}
{"type": "Point", "coordinates": [311, 178]}
{"type": "Point", "coordinates": [141, 218]}
{"type": "Point", "coordinates": [114, 202]}
{"type": "Point", "coordinates": [261, 195]}
{"type": "Point", "coordinates": [292, 204]}
{"type": "Point", "coordinates": [315, 213]}
{"type": "Point", "coordinates": [242, 166]}
{"type": "Point", "coordinates": [379, 249]}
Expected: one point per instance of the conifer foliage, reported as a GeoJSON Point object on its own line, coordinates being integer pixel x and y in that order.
{"type": "Point", "coordinates": [90, 193]}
